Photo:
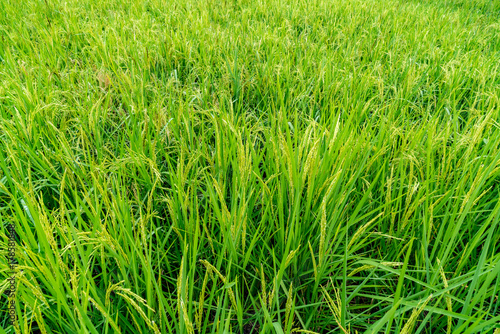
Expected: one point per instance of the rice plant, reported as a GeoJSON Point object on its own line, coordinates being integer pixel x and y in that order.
{"type": "Point", "coordinates": [236, 166]}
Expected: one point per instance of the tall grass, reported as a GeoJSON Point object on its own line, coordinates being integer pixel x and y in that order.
{"type": "Point", "coordinates": [251, 166]}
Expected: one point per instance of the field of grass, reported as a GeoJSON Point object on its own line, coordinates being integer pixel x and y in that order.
{"type": "Point", "coordinates": [237, 166]}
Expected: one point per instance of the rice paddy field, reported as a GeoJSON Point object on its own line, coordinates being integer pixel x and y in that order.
{"type": "Point", "coordinates": [237, 166]}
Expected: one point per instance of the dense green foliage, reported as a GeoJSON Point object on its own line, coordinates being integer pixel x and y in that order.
{"type": "Point", "coordinates": [242, 166]}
